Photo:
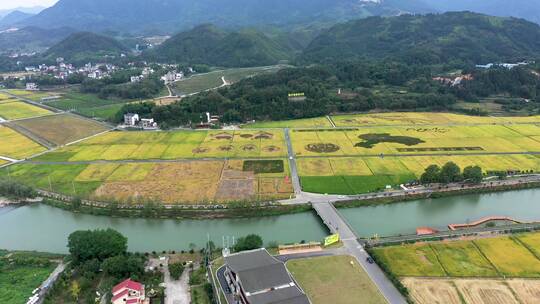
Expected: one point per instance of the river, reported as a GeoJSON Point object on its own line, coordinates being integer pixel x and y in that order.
{"type": "Point", "coordinates": [405, 217]}
{"type": "Point", "coordinates": [44, 228]}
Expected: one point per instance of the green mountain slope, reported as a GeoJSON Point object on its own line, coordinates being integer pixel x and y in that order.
{"type": "Point", "coordinates": [83, 45]}
{"type": "Point", "coordinates": [431, 38]}
{"type": "Point", "coordinates": [209, 45]}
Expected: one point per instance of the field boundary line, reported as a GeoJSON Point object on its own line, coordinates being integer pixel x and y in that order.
{"type": "Point", "coordinates": [331, 121]}
{"type": "Point", "coordinates": [487, 259]}
{"type": "Point", "coordinates": [446, 272]}
{"type": "Point", "coordinates": [512, 291]}
{"type": "Point", "coordinates": [525, 245]}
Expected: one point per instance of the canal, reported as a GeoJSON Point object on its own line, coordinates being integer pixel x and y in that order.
{"type": "Point", "coordinates": [404, 218]}
{"type": "Point", "coordinates": [44, 228]}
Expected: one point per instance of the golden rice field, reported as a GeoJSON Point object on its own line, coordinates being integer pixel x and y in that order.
{"type": "Point", "coordinates": [319, 122]}
{"type": "Point", "coordinates": [418, 140]}
{"type": "Point", "coordinates": [19, 110]}
{"type": "Point", "coordinates": [175, 145]}
{"type": "Point", "coordinates": [427, 118]}
{"type": "Point", "coordinates": [503, 257]}
{"type": "Point", "coordinates": [187, 182]}
{"type": "Point", "coordinates": [17, 146]}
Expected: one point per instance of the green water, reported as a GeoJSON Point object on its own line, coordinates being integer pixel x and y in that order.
{"type": "Point", "coordinates": [44, 228]}
{"type": "Point", "coordinates": [404, 218]}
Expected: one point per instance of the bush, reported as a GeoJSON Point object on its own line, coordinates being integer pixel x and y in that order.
{"type": "Point", "coordinates": [176, 270]}
{"type": "Point", "coordinates": [13, 189]}
{"type": "Point", "coordinates": [249, 242]}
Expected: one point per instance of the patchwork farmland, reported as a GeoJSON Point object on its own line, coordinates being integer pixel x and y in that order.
{"type": "Point", "coordinates": [17, 146]}
{"type": "Point", "coordinates": [187, 182]}
{"type": "Point", "coordinates": [489, 270]}
{"type": "Point", "coordinates": [174, 145]}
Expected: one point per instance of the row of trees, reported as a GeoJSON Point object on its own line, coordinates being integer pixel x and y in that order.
{"type": "Point", "coordinates": [451, 173]}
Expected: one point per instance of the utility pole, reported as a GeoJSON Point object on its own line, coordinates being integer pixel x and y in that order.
{"type": "Point", "coordinates": [50, 184]}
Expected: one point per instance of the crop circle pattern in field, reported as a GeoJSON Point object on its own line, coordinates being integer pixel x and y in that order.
{"type": "Point", "coordinates": [323, 148]}
{"type": "Point", "coordinates": [200, 150]}
{"type": "Point", "coordinates": [249, 148]}
{"type": "Point", "coordinates": [271, 149]}
{"type": "Point", "coordinates": [263, 135]}
{"type": "Point", "coordinates": [223, 136]}
{"type": "Point", "coordinates": [226, 148]}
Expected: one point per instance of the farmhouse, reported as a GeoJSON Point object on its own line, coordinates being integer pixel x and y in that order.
{"type": "Point", "coordinates": [30, 86]}
{"type": "Point", "coordinates": [255, 277]}
{"type": "Point", "coordinates": [131, 119]}
{"type": "Point", "coordinates": [128, 292]}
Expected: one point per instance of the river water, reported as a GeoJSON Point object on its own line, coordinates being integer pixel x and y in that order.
{"type": "Point", "coordinates": [44, 228]}
{"type": "Point", "coordinates": [404, 218]}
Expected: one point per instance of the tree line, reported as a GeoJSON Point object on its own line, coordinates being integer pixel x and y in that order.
{"type": "Point", "coordinates": [451, 173]}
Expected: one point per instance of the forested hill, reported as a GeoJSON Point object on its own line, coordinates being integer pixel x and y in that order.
{"type": "Point", "coordinates": [206, 44]}
{"type": "Point", "coordinates": [433, 38]}
{"type": "Point", "coordinates": [82, 45]}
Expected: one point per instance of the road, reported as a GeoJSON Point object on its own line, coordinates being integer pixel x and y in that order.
{"type": "Point", "coordinates": [337, 224]}
{"type": "Point", "coordinates": [47, 284]}
{"type": "Point", "coordinates": [176, 291]}
{"type": "Point", "coordinates": [292, 164]}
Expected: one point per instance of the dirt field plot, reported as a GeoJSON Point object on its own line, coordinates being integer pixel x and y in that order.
{"type": "Point", "coordinates": [425, 291]}
{"type": "Point", "coordinates": [61, 129]}
{"type": "Point", "coordinates": [510, 257]}
{"type": "Point", "coordinates": [17, 146]}
{"type": "Point", "coordinates": [19, 110]}
{"type": "Point", "coordinates": [485, 292]}
{"type": "Point", "coordinates": [336, 279]}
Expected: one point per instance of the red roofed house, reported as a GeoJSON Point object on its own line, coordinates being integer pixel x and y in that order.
{"type": "Point", "coordinates": [128, 292]}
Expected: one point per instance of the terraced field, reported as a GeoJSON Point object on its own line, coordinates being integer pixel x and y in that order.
{"type": "Point", "coordinates": [186, 182]}
{"type": "Point", "coordinates": [17, 146]}
{"type": "Point", "coordinates": [19, 110]}
{"type": "Point", "coordinates": [175, 145]}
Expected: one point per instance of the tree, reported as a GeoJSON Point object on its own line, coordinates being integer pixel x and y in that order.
{"type": "Point", "coordinates": [75, 290]}
{"type": "Point", "coordinates": [97, 244]}
{"type": "Point", "coordinates": [473, 174]}
{"type": "Point", "coordinates": [176, 270]}
{"type": "Point", "coordinates": [249, 242]}
{"type": "Point", "coordinates": [450, 173]}
{"type": "Point", "coordinates": [431, 175]}
{"type": "Point", "coordinates": [123, 266]}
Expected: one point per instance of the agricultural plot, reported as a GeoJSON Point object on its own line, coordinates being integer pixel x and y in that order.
{"type": "Point", "coordinates": [411, 140]}
{"type": "Point", "coordinates": [61, 129]}
{"type": "Point", "coordinates": [88, 105]}
{"type": "Point", "coordinates": [319, 122]}
{"type": "Point", "coordinates": [356, 175]}
{"type": "Point", "coordinates": [19, 110]}
{"type": "Point", "coordinates": [338, 279]}
{"type": "Point", "coordinates": [207, 81]}
{"type": "Point", "coordinates": [473, 291]}
{"type": "Point", "coordinates": [185, 182]}
{"type": "Point", "coordinates": [502, 257]}
{"type": "Point", "coordinates": [32, 95]}
{"type": "Point", "coordinates": [175, 145]}
{"type": "Point", "coordinates": [17, 146]}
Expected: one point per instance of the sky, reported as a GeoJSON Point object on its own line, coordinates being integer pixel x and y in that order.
{"type": "Point", "coordinates": [8, 4]}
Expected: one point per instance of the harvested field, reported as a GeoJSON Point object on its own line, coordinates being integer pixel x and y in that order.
{"type": "Point", "coordinates": [426, 291]}
{"type": "Point", "coordinates": [15, 145]}
{"type": "Point", "coordinates": [485, 292]}
{"type": "Point", "coordinates": [527, 291]}
{"type": "Point", "coordinates": [61, 129]}
{"type": "Point", "coordinates": [20, 110]}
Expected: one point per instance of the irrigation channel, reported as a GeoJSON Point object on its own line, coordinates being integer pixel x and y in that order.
{"type": "Point", "coordinates": [43, 228]}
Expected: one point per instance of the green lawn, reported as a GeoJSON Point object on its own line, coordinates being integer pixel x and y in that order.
{"type": "Point", "coordinates": [336, 279]}
{"type": "Point", "coordinates": [351, 184]}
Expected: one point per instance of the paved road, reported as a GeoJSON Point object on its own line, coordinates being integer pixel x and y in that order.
{"type": "Point", "coordinates": [295, 256]}
{"type": "Point", "coordinates": [46, 286]}
{"type": "Point", "coordinates": [337, 224]}
{"type": "Point", "coordinates": [292, 164]}
{"type": "Point", "coordinates": [176, 291]}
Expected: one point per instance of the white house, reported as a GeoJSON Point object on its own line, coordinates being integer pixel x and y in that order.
{"type": "Point", "coordinates": [31, 86]}
{"type": "Point", "coordinates": [131, 119]}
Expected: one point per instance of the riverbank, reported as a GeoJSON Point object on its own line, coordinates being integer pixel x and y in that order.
{"type": "Point", "coordinates": [436, 194]}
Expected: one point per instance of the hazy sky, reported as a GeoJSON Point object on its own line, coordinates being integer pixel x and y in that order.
{"type": "Point", "coordinates": [6, 4]}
